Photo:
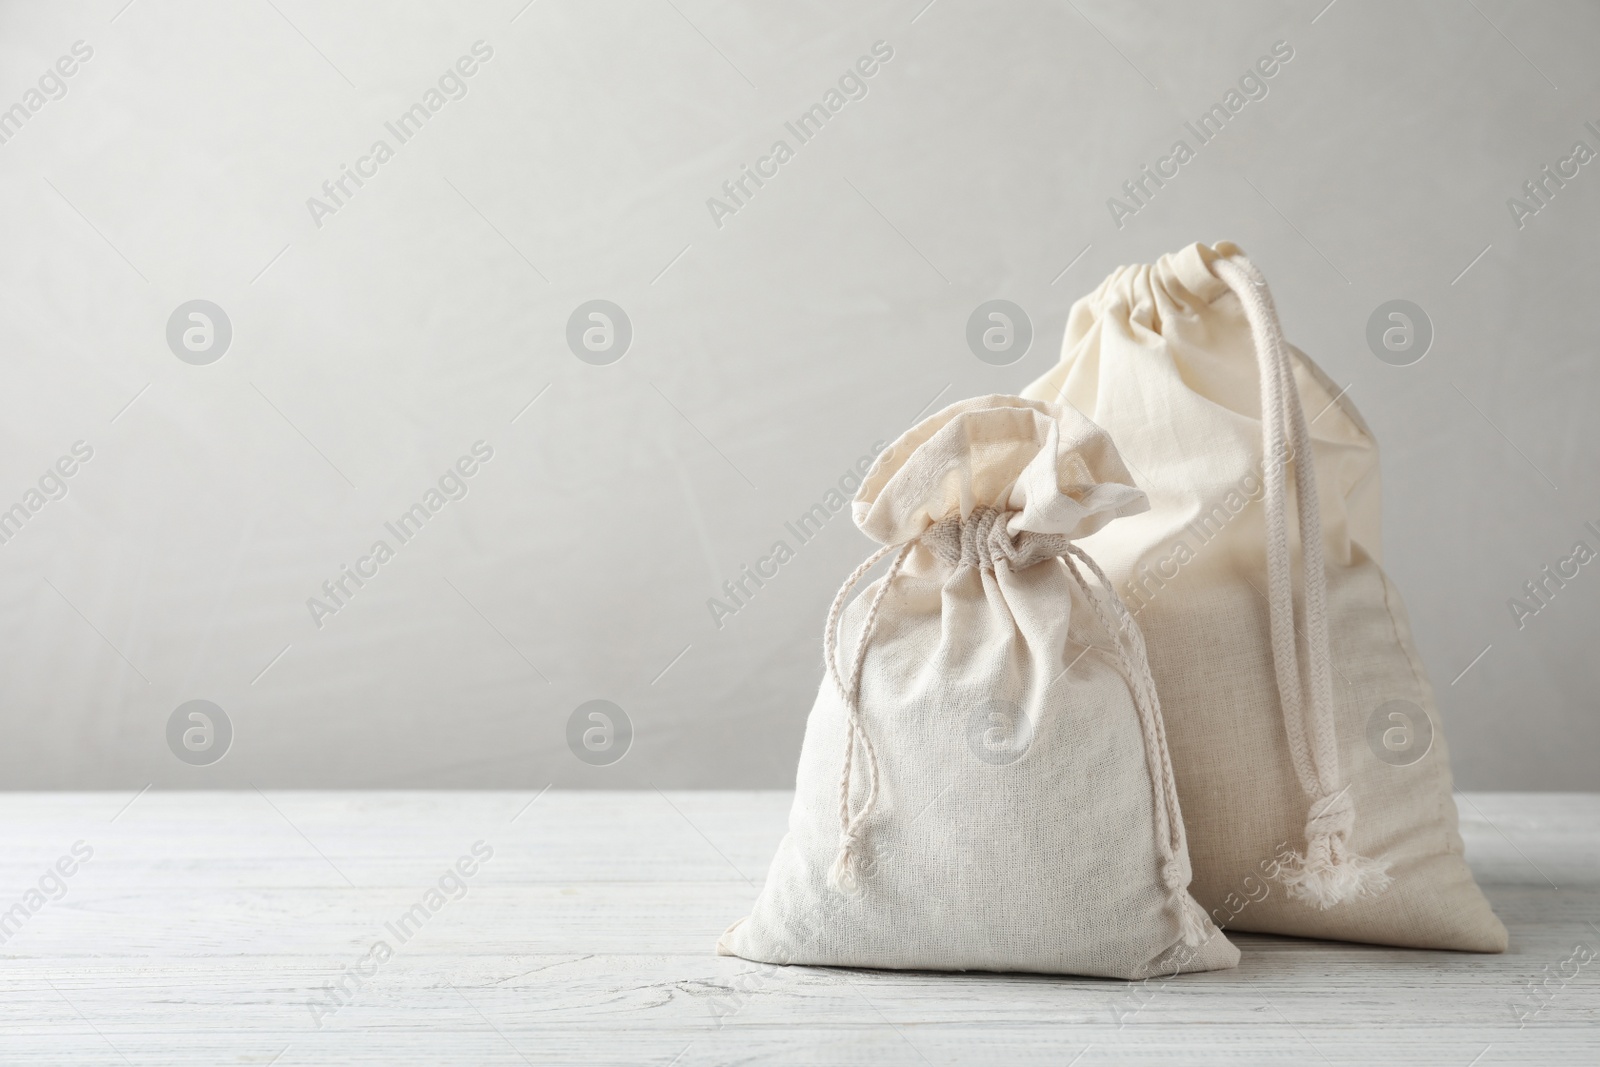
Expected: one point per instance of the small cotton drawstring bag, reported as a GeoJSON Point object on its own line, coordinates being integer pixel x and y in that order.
{"type": "Point", "coordinates": [984, 782]}
{"type": "Point", "coordinates": [1306, 744]}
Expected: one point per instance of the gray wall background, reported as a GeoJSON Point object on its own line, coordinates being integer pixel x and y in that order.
{"type": "Point", "coordinates": [768, 353]}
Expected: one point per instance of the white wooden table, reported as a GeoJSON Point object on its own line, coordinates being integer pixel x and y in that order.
{"type": "Point", "coordinates": [202, 926]}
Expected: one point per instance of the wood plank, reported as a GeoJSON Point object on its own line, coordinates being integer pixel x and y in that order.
{"type": "Point", "coordinates": [204, 924]}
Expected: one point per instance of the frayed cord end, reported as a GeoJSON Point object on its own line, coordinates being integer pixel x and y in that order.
{"type": "Point", "coordinates": [845, 874]}
{"type": "Point", "coordinates": [1194, 928]}
{"type": "Point", "coordinates": [1328, 874]}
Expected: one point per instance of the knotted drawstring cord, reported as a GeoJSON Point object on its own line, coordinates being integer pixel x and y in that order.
{"type": "Point", "coordinates": [979, 540]}
{"type": "Point", "coordinates": [1329, 871]}
{"type": "Point", "coordinates": [845, 873]}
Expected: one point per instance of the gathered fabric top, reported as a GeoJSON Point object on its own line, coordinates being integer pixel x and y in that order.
{"type": "Point", "coordinates": [1048, 469]}
{"type": "Point", "coordinates": [983, 540]}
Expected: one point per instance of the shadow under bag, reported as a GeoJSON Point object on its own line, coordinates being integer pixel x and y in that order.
{"type": "Point", "coordinates": [1307, 747]}
{"type": "Point", "coordinates": [984, 782]}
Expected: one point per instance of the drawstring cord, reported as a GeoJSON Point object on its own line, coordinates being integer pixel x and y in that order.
{"type": "Point", "coordinates": [1329, 871]}
{"type": "Point", "coordinates": [1171, 838]}
{"type": "Point", "coordinates": [845, 876]}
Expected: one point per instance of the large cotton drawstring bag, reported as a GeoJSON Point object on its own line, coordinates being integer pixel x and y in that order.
{"type": "Point", "coordinates": [984, 782]}
{"type": "Point", "coordinates": [1306, 742]}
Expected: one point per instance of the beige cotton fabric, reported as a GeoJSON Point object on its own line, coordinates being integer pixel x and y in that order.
{"type": "Point", "coordinates": [984, 783]}
{"type": "Point", "coordinates": [1301, 820]}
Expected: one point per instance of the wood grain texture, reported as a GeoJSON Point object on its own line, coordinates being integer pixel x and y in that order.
{"type": "Point", "coordinates": [205, 923]}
